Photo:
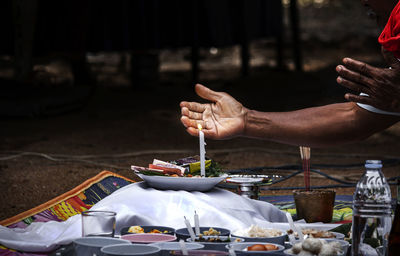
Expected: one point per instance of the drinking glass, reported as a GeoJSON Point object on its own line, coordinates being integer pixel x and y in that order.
{"type": "Point", "coordinates": [98, 223]}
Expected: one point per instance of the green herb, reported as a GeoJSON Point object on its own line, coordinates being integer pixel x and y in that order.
{"type": "Point", "coordinates": [214, 170]}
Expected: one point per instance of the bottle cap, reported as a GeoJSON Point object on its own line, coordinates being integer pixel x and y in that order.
{"type": "Point", "coordinates": [373, 164]}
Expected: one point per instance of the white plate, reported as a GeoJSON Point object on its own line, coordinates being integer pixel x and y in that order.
{"type": "Point", "coordinates": [181, 183]}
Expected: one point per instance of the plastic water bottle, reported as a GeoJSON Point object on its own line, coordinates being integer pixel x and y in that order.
{"type": "Point", "coordinates": [372, 212]}
{"type": "Point", "coordinates": [394, 237]}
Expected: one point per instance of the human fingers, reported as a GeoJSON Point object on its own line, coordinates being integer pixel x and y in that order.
{"type": "Point", "coordinates": [195, 132]}
{"type": "Point", "coordinates": [192, 115]}
{"type": "Point", "coordinates": [353, 76]}
{"type": "Point", "coordinates": [390, 59]}
{"type": "Point", "coordinates": [193, 106]}
{"type": "Point", "coordinates": [207, 94]}
{"type": "Point", "coordinates": [359, 99]}
{"type": "Point", "coordinates": [358, 88]}
{"type": "Point", "coordinates": [359, 66]}
{"type": "Point", "coordinates": [188, 122]}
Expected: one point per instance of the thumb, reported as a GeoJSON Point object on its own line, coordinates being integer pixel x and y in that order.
{"type": "Point", "coordinates": [207, 93]}
{"type": "Point", "coordinates": [390, 59]}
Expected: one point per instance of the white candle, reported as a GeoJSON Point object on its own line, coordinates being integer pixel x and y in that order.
{"type": "Point", "coordinates": [190, 230]}
{"type": "Point", "coordinates": [232, 252]}
{"type": "Point", "coordinates": [183, 247]}
{"type": "Point", "coordinates": [196, 223]}
{"type": "Point", "coordinates": [202, 152]}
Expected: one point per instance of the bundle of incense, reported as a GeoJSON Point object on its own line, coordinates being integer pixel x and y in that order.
{"type": "Point", "coordinates": [305, 157]}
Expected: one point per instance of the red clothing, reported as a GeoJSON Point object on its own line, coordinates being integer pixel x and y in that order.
{"type": "Point", "coordinates": [390, 36]}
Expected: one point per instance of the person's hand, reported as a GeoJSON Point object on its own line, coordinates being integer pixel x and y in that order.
{"type": "Point", "coordinates": [222, 118]}
{"type": "Point", "coordinates": [381, 84]}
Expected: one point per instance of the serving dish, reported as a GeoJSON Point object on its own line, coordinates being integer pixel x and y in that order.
{"type": "Point", "coordinates": [201, 253]}
{"type": "Point", "coordinates": [182, 183]}
{"type": "Point", "coordinates": [148, 229]}
{"type": "Point", "coordinates": [264, 179]}
{"type": "Point", "coordinates": [148, 238]}
{"type": "Point", "coordinates": [92, 245]}
{"type": "Point", "coordinates": [166, 247]}
{"type": "Point", "coordinates": [130, 250]}
{"type": "Point", "coordinates": [261, 235]}
{"type": "Point", "coordinates": [218, 243]}
{"type": "Point", "coordinates": [241, 248]}
{"type": "Point", "coordinates": [344, 246]}
{"type": "Point", "coordinates": [183, 233]}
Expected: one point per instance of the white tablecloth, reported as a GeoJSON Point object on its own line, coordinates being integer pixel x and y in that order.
{"type": "Point", "coordinates": [136, 204]}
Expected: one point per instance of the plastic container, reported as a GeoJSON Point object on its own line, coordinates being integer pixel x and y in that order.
{"type": "Point", "coordinates": [371, 211]}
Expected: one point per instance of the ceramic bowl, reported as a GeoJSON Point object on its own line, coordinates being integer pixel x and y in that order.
{"type": "Point", "coordinates": [219, 246]}
{"type": "Point", "coordinates": [241, 248]}
{"type": "Point", "coordinates": [345, 246]}
{"type": "Point", "coordinates": [274, 239]}
{"type": "Point", "coordinates": [148, 238]}
{"type": "Point", "coordinates": [337, 236]}
{"type": "Point", "coordinates": [91, 245]}
{"type": "Point", "coordinates": [201, 253]}
{"type": "Point", "coordinates": [183, 233]}
{"type": "Point", "coordinates": [166, 247]}
{"type": "Point", "coordinates": [147, 229]}
{"type": "Point", "coordinates": [130, 250]}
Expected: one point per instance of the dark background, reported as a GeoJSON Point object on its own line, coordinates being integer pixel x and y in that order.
{"type": "Point", "coordinates": [107, 79]}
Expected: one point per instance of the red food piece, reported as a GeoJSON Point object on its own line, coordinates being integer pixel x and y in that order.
{"type": "Point", "coordinates": [256, 247]}
{"type": "Point", "coordinates": [166, 170]}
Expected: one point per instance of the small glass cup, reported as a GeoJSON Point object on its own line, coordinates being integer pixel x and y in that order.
{"type": "Point", "coordinates": [98, 223]}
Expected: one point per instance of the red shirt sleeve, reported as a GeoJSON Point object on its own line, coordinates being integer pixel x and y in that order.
{"type": "Point", "coordinates": [390, 36]}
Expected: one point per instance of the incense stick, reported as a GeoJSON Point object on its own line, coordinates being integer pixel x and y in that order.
{"type": "Point", "coordinates": [305, 153]}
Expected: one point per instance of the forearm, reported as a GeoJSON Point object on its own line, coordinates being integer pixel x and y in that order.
{"type": "Point", "coordinates": [324, 126]}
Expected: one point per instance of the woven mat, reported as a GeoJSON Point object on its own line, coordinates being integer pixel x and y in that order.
{"type": "Point", "coordinates": [342, 211]}
{"type": "Point", "coordinates": [75, 201]}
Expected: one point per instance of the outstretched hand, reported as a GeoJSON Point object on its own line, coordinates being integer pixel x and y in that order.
{"type": "Point", "coordinates": [222, 117]}
{"type": "Point", "coordinates": [381, 84]}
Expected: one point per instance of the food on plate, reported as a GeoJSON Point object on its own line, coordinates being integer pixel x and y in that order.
{"type": "Point", "coordinates": [257, 231]}
{"type": "Point", "coordinates": [262, 247]}
{"type": "Point", "coordinates": [139, 230]}
{"type": "Point", "coordinates": [211, 232]}
{"type": "Point", "coordinates": [135, 229]}
{"type": "Point", "coordinates": [185, 167]}
{"type": "Point", "coordinates": [216, 239]}
{"type": "Point", "coordinates": [314, 233]}
{"type": "Point", "coordinates": [167, 170]}
{"type": "Point", "coordinates": [314, 246]}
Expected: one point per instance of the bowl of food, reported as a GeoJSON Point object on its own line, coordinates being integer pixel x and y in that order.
{"type": "Point", "coordinates": [148, 230]}
{"type": "Point", "coordinates": [215, 242]}
{"type": "Point", "coordinates": [255, 248]}
{"type": "Point", "coordinates": [261, 234]}
{"type": "Point", "coordinates": [318, 246]}
{"type": "Point", "coordinates": [129, 250]}
{"type": "Point", "coordinates": [183, 233]}
{"type": "Point", "coordinates": [200, 253]}
{"type": "Point", "coordinates": [148, 238]}
{"type": "Point", "coordinates": [315, 233]}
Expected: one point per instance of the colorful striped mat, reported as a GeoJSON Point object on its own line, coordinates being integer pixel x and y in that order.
{"type": "Point", "coordinates": [342, 211]}
{"type": "Point", "coordinates": [73, 202]}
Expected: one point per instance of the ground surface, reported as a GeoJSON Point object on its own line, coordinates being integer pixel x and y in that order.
{"type": "Point", "coordinates": [121, 125]}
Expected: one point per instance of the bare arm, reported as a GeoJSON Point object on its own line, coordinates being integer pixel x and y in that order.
{"type": "Point", "coordinates": [223, 117]}
{"type": "Point", "coordinates": [324, 126]}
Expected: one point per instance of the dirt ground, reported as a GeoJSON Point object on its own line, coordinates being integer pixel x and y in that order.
{"type": "Point", "coordinates": [122, 125]}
